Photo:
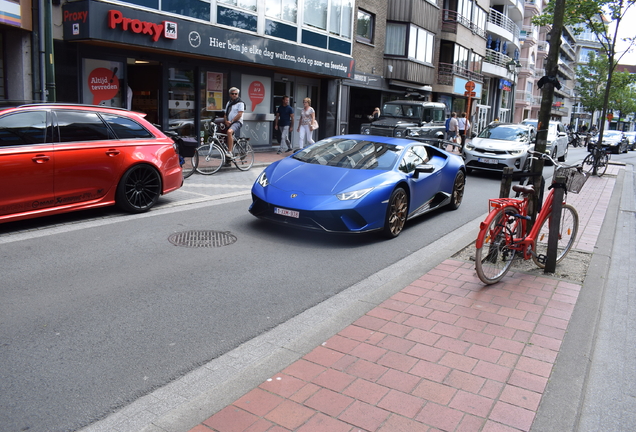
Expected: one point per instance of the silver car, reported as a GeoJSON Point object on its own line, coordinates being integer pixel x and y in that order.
{"type": "Point", "coordinates": [557, 140]}
{"type": "Point", "coordinates": [500, 145]}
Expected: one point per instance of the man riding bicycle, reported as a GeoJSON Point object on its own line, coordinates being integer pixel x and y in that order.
{"type": "Point", "coordinates": [233, 117]}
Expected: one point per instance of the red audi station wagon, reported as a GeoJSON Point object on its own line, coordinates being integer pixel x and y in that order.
{"type": "Point", "coordinates": [57, 158]}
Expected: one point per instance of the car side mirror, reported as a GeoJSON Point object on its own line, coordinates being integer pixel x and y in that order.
{"type": "Point", "coordinates": [473, 135]}
{"type": "Point", "coordinates": [423, 168]}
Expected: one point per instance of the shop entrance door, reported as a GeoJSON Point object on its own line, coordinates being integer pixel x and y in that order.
{"type": "Point", "coordinates": [304, 90]}
{"type": "Point", "coordinates": [284, 88]}
{"type": "Point", "coordinates": [143, 92]}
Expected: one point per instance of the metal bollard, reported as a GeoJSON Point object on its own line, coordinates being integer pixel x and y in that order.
{"type": "Point", "coordinates": [555, 226]}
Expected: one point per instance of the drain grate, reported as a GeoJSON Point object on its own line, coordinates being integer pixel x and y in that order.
{"type": "Point", "coordinates": [202, 239]}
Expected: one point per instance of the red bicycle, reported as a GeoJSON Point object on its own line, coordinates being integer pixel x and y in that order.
{"type": "Point", "coordinates": [503, 235]}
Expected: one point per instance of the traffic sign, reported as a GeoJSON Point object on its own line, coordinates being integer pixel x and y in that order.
{"type": "Point", "coordinates": [470, 94]}
{"type": "Point", "coordinates": [470, 86]}
{"type": "Point", "coordinates": [610, 116]}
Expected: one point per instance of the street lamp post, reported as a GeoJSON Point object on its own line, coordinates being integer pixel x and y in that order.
{"type": "Point", "coordinates": [513, 67]}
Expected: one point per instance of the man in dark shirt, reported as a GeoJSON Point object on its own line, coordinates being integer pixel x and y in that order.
{"type": "Point", "coordinates": [283, 122]}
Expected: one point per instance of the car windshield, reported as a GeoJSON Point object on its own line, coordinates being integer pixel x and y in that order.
{"type": "Point", "coordinates": [506, 133]}
{"type": "Point", "coordinates": [613, 134]}
{"type": "Point", "coordinates": [351, 153]}
{"type": "Point", "coordinates": [402, 110]}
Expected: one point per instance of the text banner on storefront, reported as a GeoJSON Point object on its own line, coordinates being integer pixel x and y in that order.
{"type": "Point", "coordinates": [93, 20]}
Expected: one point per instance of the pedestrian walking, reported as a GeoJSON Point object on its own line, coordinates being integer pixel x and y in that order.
{"type": "Point", "coordinates": [453, 128]}
{"type": "Point", "coordinates": [464, 127]}
{"type": "Point", "coordinates": [307, 118]}
{"type": "Point", "coordinates": [284, 122]}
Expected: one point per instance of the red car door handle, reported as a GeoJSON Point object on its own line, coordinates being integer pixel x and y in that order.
{"type": "Point", "coordinates": [40, 158]}
{"type": "Point", "coordinates": [112, 152]}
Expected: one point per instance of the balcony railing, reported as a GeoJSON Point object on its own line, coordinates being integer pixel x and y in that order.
{"type": "Point", "coordinates": [451, 18]}
{"type": "Point", "coordinates": [497, 18]}
{"type": "Point", "coordinates": [446, 72]}
{"type": "Point", "coordinates": [496, 58]}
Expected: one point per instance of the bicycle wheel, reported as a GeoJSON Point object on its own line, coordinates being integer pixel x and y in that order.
{"type": "Point", "coordinates": [211, 159]}
{"type": "Point", "coordinates": [601, 166]}
{"type": "Point", "coordinates": [189, 165]}
{"type": "Point", "coordinates": [568, 228]}
{"type": "Point", "coordinates": [243, 154]}
{"type": "Point", "coordinates": [494, 257]}
{"type": "Point", "coordinates": [588, 163]}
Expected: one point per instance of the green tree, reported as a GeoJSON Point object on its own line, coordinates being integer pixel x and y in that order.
{"type": "Point", "coordinates": [595, 15]}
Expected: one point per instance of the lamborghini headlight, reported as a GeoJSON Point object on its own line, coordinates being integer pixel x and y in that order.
{"type": "Point", "coordinates": [262, 179]}
{"type": "Point", "coordinates": [353, 195]}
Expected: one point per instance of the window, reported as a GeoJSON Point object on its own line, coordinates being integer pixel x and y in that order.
{"type": "Point", "coordinates": [340, 17]}
{"type": "Point", "coordinates": [366, 26]}
{"type": "Point", "coordinates": [23, 128]}
{"type": "Point", "coordinates": [243, 4]}
{"type": "Point", "coordinates": [190, 8]}
{"type": "Point", "coordinates": [315, 14]}
{"type": "Point", "coordinates": [395, 39]}
{"type": "Point", "coordinates": [81, 126]}
{"type": "Point", "coordinates": [286, 10]}
{"type": "Point", "coordinates": [414, 156]}
{"type": "Point", "coordinates": [479, 18]}
{"type": "Point", "coordinates": [461, 57]}
{"type": "Point", "coordinates": [126, 128]}
{"type": "Point", "coordinates": [421, 44]}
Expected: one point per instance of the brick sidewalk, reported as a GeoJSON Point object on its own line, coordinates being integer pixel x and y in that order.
{"type": "Point", "coordinates": [445, 353]}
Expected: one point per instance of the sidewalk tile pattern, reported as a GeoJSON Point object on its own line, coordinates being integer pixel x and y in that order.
{"type": "Point", "coordinates": [446, 353]}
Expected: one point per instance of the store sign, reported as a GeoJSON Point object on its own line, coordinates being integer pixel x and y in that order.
{"type": "Point", "coordinates": [167, 28]}
{"type": "Point", "coordinates": [98, 21]}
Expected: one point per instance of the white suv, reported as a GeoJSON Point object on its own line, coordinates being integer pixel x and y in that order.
{"type": "Point", "coordinates": [557, 142]}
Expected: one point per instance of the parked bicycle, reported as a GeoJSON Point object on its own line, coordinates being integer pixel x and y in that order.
{"type": "Point", "coordinates": [596, 162]}
{"type": "Point", "coordinates": [212, 155]}
{"type": "Point", "coordinates": [504, 235]}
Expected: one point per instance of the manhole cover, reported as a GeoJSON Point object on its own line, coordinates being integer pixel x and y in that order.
{"type": "Point", "coordinates": [202, 239]}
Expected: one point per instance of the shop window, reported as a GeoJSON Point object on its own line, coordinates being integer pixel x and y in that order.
{"type": "Point", "coordinates": [190, 8]}
{"type": "Point", "coordinates": [285, 10]}
{"type": "Point", "coordinates": [236, 18]}
{"type": "Point", "coordinates": [365, 28]}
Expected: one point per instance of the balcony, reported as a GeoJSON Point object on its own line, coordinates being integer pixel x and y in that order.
{"type": "Point", "coordinates": [446, 72]}
{"type": "Point", "coordinates": [502, 21]}
{"type": "Point", "coordinates": [451, 18]}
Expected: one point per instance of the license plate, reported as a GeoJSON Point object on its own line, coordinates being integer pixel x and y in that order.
{"type": "Point", "coordinates": [488, 161]}
{"type": "Point", "coordinates": [285, 212]}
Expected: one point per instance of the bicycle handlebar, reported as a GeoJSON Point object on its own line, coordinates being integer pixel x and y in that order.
{"type": "Point", "coordinates": [546, 156]}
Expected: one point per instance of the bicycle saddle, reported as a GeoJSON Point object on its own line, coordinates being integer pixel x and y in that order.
{"type": "Point", "coordinates": [526, 190]}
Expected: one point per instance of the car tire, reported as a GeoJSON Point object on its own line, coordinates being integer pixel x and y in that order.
{"type": "Point", "coordinates": [457, 195]}
{"type": "Point", "coordinates": [396, 213]}
{"type": "Point", "coordinates": [139, 189]}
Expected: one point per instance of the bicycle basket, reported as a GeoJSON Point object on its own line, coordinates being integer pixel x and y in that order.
{"type": "Point", "coordinates": [574, 178]}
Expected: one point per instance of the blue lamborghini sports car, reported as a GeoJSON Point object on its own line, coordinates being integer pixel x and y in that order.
{"type": "Point", "coordinates": [358, 183]}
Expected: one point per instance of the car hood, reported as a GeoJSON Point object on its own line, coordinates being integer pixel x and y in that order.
{"type": "Point", "coordinates": [394, 122]}
{"type": "Point", "coordinates": [492, 144]}
{"type": "Point", "coordinates": [290, 174]}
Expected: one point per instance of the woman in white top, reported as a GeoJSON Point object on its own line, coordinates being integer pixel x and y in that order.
{"type": "Point", "coordinates": [307, 116]}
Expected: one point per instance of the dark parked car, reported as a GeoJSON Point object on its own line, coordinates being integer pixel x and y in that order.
{"type": "Point", "coordinates": [57, 158]}
{"type": "Point", "coordinates": [409, 119]}
{"type": "Point", "coordinates": [615, 140]}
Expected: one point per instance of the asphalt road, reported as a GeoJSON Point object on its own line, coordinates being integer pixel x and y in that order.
{"type": "Point", "coordinates": [99, 308]}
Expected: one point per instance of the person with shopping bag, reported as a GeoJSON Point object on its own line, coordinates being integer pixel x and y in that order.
{"type": "Point", "coordinates": [307, 124]}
